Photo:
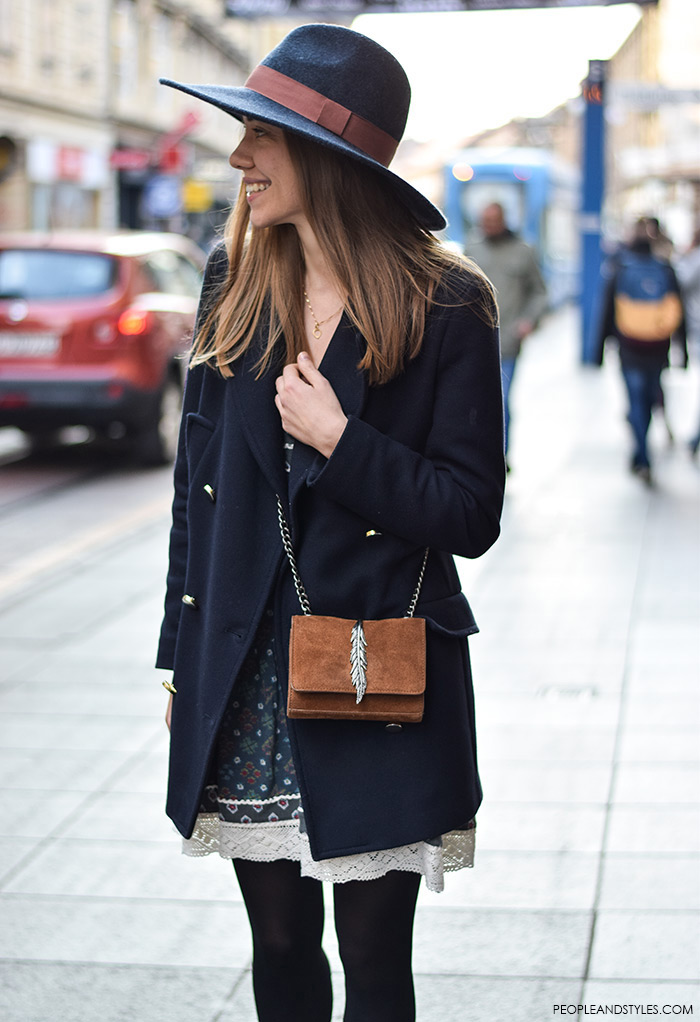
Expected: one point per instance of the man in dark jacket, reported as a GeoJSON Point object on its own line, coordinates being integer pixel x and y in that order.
{"type": "Point", "coordinates": [642, 311]}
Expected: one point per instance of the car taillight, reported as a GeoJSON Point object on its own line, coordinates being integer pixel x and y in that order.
{"type": "Point", "coordinates": [134, 322]}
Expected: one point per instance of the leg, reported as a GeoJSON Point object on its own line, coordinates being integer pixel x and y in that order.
{"type": "Point", "coordinates": [642, 389]}
{"type": "Point", "coordinates": [291, 976]}
{"type": "Point", "coordinates": [374, 923]}
{"type": "Point", "coordinates": [507, 372]}
{"type": "Point", "coordinates": [660, 403]}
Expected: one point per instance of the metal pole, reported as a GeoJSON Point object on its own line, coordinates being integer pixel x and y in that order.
{"type": "Point", "coordinates": [593, 189]}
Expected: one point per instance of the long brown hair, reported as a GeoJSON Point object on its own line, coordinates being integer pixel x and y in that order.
{"type": "Point", "coordinates": [389, 266]}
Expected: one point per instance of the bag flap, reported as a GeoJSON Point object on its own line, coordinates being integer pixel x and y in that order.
{"type": "Point", "coordinates": [320, 655]}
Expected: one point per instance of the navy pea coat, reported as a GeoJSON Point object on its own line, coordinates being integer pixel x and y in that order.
{"type": "Point", "coordinates": [419, 464]}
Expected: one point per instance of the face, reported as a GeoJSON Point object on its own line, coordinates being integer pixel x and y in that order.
{"type": "Point", "coordinates": [492, 222]}
{"type": "Point", "coordinates": [272, 187]}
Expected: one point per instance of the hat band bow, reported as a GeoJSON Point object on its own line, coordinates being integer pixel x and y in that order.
{"type": "Point", "coordinates": [280, 88]}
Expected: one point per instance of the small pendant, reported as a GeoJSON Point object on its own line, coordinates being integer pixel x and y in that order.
{"type": "Point", "coordinates": [316, 332]}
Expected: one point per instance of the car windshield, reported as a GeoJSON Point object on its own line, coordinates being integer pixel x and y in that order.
{"type": "Point", "coordinates": [54, 274]}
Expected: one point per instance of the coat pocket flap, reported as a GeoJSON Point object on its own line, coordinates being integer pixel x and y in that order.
{"type": "Point", "coordinates": [451, 615]}
{"type": "Point", "coordinates": [198, 432]}
{"type": "Point", "coordinates": [195, 419]}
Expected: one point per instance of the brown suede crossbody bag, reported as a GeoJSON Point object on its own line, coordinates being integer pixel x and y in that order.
{"type": "Point", "coordinates": [344, 669]}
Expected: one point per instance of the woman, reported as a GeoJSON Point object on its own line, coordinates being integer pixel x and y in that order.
{"type": "Point", "coordinates": [345, 362]}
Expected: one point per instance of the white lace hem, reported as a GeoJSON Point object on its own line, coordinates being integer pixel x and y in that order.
{"type": "Point", "coordinates": [265, 842]}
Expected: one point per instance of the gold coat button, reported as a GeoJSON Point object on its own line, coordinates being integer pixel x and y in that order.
{"type": "Point", "coordinates": [189, 601]}
{"type": "Point", "coordinates": [210, 492]}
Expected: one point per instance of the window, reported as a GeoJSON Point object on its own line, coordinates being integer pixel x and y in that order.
{"type": "Point", "coordinates": [174, 274]}
{"type": "Point", "coordinates": [28, 273]}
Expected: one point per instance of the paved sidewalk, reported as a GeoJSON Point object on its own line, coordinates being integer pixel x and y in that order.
{"type": "Point", "coordinates": [587, 881]}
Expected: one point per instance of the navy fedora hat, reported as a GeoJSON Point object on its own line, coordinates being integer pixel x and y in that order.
{"type": "Point", "coordinates": [336, 87]}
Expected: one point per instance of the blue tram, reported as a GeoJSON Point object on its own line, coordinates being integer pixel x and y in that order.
{"type": "Point", "coordinates": [540, 196]}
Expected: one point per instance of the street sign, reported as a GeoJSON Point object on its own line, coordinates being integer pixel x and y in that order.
{"type": "Point", "coordinates": [317, 8]}
{"type": "Point", "coordinates": [649, 95]}
{"type": "Point", "coordinates": [129, 159]}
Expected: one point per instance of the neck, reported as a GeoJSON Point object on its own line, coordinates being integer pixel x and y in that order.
{"type": "Point", "coordinates": [320, 282]}
{"type": "Point", "coordinates": [318, 274]}
{"type": "Point", "coordinates": [323, 294]}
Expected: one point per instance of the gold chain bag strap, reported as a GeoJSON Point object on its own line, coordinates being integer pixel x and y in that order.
{"type": "Point", "coordinates": [340, 669]}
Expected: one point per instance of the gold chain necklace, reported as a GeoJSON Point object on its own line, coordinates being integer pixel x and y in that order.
{"type": "Point", "coordinates": [318, 324]}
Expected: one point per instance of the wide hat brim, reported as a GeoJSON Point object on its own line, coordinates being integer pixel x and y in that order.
{"type": "Point", "coordinates": [240, 102]}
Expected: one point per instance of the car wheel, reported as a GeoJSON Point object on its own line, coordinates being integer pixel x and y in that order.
{"type": "Point", "coordinates": [156, 443]}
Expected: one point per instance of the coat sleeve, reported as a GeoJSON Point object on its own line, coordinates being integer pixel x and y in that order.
{"type": "Point", "coordinates": [680, 335]}
{"type": "Point", "coordinates": [605, 314]}
{"type": "Point", "coordinates": [534, 288]}
{"type": "Point", "coordinates": [177, 564]}
{"type": "Point", "coordinates": [450, 495]}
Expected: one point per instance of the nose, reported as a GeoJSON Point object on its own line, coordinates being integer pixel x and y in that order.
{"type": "Point", "coordinates": [239, 158]}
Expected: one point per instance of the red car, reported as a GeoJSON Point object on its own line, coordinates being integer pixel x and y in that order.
{"type": "Point", "coordinates": [93, 327]}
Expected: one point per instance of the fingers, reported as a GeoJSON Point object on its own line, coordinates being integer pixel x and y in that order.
{"type": "Point", "coordinates": [307, 369]}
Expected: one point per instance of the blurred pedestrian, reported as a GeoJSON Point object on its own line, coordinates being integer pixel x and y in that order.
{"type": "Point", "coordinates": [511, 266]}
{"type": "Point", "coordinates": [344, 379]}
{"type": "Point", "coordinates": [641, 310]}
{"type": "Point", "coordinates": [688, 272]}
{"type": "Point", "coordinates": [661, 244]}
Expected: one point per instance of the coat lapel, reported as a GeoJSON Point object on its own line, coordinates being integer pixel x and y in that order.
{"type": "Point", "coordinates": [339, 366]}
{"type": "Point", "coordinates": [260, 420]}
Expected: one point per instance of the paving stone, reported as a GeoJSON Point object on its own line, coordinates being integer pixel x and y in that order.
{"type": "Point", "coordinates": [501, 943]}
{"type": "Point", "coordinates": [535, 827]}
{"type": "Point", "coordinates": [78, 731]}
{"type": "Point", "coordinates": [59, 769]}
{"type": "Point", "coordinates": [521, 880]}
{"type": "Point", "coordinates": [86, 992]}
{"type": "Point", "coordinates": [480, 999]}
{"type": "Point", "coordinates": [646, 946]}
{"type": "Point", "coordinates": [143, 698]}
{"type": "Point", "coordinates": [668, 711]}
{"type": "Point", "coordinates": [125, 869]}
{"type": "Point", "coordinates": [654, 828]}
{"type": "Point", "coordinates": [123, 816]}
{"type": "Point", "coordinates": [657, 782]}
{"type": "Point", "coordinates": [643, 994]}
{"type": "Point", "coordinates": [537, 782]}
{"type": "Point", "coordinates": [24, 813]}
{"type": "Point", "coordinates": [650, 882]}
{"type": "Point", "coordinates": [123, 931]}
{"type": "Point", "coordinates": [560, 745]}
{"type": "Point", "coordinates": [12, 851]}
{"type": "Point", "coordinates": [658, 746]}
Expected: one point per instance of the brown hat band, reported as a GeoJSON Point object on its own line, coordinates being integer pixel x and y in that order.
{"type": "Point", "coordinates": [326, 112]}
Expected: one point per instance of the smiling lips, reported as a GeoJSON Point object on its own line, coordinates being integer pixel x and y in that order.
{"type": "Point", "coordinates": [256, 186]}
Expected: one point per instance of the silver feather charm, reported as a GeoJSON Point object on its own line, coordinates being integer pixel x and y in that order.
{"type": "Point", "coordinates": [358, 660]}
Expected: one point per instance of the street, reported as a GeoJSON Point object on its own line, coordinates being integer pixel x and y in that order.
{"type": "Point", "coordinates": [586, 887]}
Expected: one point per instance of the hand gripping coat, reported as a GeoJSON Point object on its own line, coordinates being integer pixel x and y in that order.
{"type": "Point", "coordinates": [419, 464]}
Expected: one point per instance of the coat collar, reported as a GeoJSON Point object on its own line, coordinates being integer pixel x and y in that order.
{"type": "Point", "coordinates": [260, 418]}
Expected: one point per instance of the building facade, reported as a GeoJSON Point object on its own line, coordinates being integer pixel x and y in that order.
{"type": "Point", "coordinates": [88, 138]}
{"type": "Point", "coordinates": [653, 115]}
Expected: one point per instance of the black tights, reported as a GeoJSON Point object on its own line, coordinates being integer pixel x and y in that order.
{"type": "Point", "coordinates": [374, 924]}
